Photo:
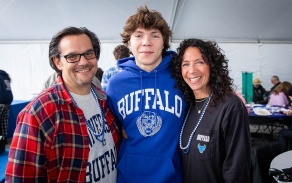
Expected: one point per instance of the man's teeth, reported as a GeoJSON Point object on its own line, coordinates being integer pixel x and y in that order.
{"type": "Point", "coordinates": [85, 70]}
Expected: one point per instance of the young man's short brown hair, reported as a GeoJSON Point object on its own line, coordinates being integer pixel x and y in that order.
{"type": "Point", "coordinates": [146, 19]}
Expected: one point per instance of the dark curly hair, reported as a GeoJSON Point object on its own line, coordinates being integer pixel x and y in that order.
{"type": "Point", "coordinates": [220, 83]}
{"type": "Point", "coordinates": [54, 44]}
{"type": "Point", "coordinates": [144, 18]}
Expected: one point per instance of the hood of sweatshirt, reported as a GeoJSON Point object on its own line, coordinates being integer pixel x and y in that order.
{"type": "Point", "coordinates": [130, 65]}
{"type": "Point", "coordinates": [135, 93]}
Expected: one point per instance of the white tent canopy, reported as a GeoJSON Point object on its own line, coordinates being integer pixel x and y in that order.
{"type": "Point", "coordinates": [255, 35]}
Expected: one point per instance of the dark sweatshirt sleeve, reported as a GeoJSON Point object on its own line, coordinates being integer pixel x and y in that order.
{"type": "Point", "coordinates": [236, 165]}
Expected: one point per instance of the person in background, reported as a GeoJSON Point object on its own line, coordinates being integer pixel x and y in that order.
{"type": "Point", "coordinates": [289, 112]}
{"type": "Point", "coordinates": [259, 92]}
{"type": "Point", "coordinates": [50, 81]}
{"type": "Point", "coordinates": [275, 81]}
{"type": "Point", "coordinates": [99, 74]}
{"type": "Point", "coordinates": [67, 133]}
{"type": "Point", "coordinates": [285, 135]}
{"type": "Point", "coordinates": [289, 94]}
{"type": "Point", "coordinates": [214, 141]}
{"type": "Point", "coordinates": [240, 96]}
{"type": "Point", "coordinates": [6, 98]}
{"type": "Point", "coordinates": [120, 51]}
{"type": "Point", "coordinates": [279, 95]}
{"type": "Point", "coordinates": [147, 105]}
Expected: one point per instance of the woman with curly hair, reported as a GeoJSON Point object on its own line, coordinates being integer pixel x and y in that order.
{"type": "Point", "coordinates": [214, 141]}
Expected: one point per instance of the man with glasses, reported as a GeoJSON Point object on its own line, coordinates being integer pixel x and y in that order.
{"type": "Point", "coordinates": [52, 78]}
{"type": "Point", "coordinates": [67, 133]}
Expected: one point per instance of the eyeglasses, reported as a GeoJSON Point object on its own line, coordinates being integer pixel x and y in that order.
{"type": "Point", "coordinates": [73, 58]}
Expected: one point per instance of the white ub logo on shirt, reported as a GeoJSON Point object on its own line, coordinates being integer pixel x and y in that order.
{"type": "Point", "coordinates": [148, 123]}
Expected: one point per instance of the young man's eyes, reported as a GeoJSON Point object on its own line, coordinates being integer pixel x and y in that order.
{"type": "Point", "coordinates": [138, 35]}
{"type": "Point", "coordinates": [141, 36]}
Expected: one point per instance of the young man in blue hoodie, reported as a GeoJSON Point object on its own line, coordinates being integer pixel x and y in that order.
{"type": "Point", "coordinates": [149, 107]}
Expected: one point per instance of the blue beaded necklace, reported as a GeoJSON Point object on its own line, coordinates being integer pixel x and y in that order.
{"type": "Point", "coordinates": [88, 125]}
{"type": "Point", "coordinates": [187, 147]}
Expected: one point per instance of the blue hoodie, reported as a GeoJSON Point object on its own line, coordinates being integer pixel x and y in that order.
{"type": "Point", "coordinates": [151, 112]}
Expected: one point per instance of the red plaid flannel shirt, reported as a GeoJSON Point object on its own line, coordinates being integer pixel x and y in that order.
{"type": "Point", "coordinates": [50, 142]}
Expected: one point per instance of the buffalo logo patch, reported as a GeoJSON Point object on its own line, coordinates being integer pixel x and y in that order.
{"type": "Point", "coordinates": [202, 148]}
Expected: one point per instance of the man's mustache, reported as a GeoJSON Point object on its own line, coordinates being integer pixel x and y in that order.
{"type": "Point", "coordinates": [83, 67]}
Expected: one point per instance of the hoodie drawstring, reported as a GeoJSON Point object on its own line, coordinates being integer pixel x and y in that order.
{"type": "Point", "coordinates": [142, 92]}
{"type": "Point", "coordinates": [155, 94]}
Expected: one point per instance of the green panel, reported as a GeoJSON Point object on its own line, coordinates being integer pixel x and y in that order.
{"type": "Point", "coordinates": [247, 88]}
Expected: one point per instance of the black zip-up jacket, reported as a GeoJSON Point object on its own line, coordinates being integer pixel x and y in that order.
{"type": "Point", "coordinates": [6, 96]}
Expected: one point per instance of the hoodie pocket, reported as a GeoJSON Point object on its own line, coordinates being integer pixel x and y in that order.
{"type": "Point", "coordinates": [136, 168]}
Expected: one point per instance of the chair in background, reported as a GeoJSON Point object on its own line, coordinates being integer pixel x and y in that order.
{"type": "Point", "coordinates": [263, 128]}
{"type": "Point", "coordinates": [261, 158]}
